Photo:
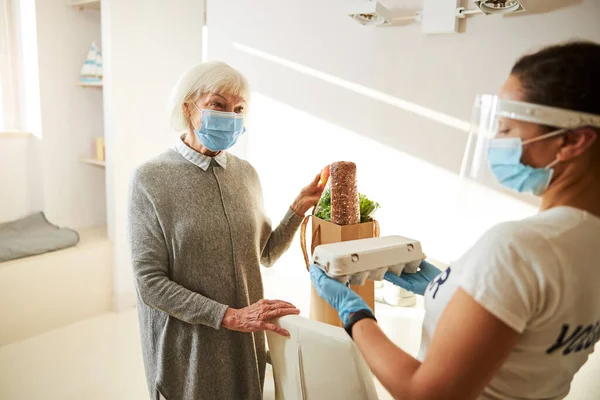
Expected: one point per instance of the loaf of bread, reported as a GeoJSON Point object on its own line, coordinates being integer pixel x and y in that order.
{"type": "Point", "coordinates": [345, 206]}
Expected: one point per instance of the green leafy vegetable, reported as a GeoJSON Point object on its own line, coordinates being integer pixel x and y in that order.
{"type": "Point", "coordinates": [367, 207]}
{"type": "Point", "coordinates": [323, 209]}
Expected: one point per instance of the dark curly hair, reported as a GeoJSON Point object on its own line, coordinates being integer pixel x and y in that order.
{"type": "Point", "coordinates": [565, 76]}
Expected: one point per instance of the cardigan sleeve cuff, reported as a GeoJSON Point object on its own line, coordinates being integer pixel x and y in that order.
{"type": "Point", "coordinates": [292, 220]}
{"type": "Point", "coordinates": [217, 315]}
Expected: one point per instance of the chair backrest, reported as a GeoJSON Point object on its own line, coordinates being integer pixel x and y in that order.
{"type": "Point", "coordinates": [318, 361]}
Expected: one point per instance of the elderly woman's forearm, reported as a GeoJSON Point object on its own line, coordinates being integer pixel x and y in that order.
{"type": "Point", "coordinates": [158, 291]}
{"type": "Point", "coordinates": [281, 238]}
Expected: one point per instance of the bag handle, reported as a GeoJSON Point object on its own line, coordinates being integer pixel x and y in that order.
{"type": "Point", "coordinates": [303, 228]}
{"type": "Point", "coordinates": [303, 240]}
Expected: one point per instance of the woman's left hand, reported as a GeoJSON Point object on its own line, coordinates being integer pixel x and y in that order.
{"type": "Point", "coordinates": [309, 196]}
{"type": "Point", "coordinates": [417, 282]}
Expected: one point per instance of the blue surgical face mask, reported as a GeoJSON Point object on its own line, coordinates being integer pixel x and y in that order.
{"type": "Point", "coordinates": [219, 130]}
{"type": "Point", "coordinates": [504, 158]}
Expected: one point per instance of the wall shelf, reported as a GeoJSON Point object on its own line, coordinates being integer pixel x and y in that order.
{"type": "Point", "coordinates": [15, 135]}
{"type": "Point", "coordinates": [90, 84]}
{"type": "Point", "coordinates": [89, 4]}
{"type": "Point", "coordinates": [91, 161]}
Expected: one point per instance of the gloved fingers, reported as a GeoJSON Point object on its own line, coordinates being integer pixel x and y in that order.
{"type": "Point", "coordinates": [321, 280]}
{"type": "Point", "coordinates": [403, 281]}
{"type": "Point", "coordinates": [390, 277]}
{"type": "Point", "coordinates": [428, 270]}
{"type": "Point", "coordinates": [316, 273]}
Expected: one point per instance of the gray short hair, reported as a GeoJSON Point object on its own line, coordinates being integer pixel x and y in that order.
{"type": "Point", "coordinates": [203, 79]}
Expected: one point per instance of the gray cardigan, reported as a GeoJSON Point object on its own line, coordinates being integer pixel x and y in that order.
{"type": "Point", "coordinates": [197, 241]}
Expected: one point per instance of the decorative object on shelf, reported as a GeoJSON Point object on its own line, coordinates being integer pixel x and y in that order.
{"type": "Point", "coordinates": [99, 73]}
{"type": "Point", "coordinates": [91, 72]}
{"type": "Point", "coordinates": [100, 155]}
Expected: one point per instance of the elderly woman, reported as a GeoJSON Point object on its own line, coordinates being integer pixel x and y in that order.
{"type": "Point", "coordinates": [198, 233]}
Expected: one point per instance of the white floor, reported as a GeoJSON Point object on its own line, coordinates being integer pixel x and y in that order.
{"type": "Point", "coordinates": [100, 359]}
{"type": "Point", "coordinates": [96, 359]}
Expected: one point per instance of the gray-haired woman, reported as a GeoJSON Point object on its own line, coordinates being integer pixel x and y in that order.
{"type": "Point", "coordinates": [198, 233]}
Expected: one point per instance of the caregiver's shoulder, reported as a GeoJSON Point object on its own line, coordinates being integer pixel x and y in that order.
{"type": "Point", "coordinates": [531, 237]}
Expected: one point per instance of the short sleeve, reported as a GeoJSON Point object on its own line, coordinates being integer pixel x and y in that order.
{"type": "Point", "coordinates": [501, 275]}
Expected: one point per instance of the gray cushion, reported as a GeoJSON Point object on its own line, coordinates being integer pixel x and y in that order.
{"type": "Point", "coordinates": [33, 235]}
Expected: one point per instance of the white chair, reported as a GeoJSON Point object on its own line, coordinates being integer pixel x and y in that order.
{"type": "Point", "coordinates": [318, 361]}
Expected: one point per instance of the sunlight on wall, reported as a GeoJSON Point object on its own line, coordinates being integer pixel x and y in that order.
{"type": "Point", "coordinates": [288, 147]}
{"type": "Point", "coordinates": [205, 43]}
{"type": "Point", "coordinates": [405, 105]}
{"type": "Point", "coordinates": [31, 90]}
{"type": "Point", "coordinates": [419, 200]}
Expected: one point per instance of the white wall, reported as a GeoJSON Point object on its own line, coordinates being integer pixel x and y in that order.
{"type": "Point", "coordinates": [20, 178]}
{"type": "Point", "coordinates": [300, 122]}
{"type": "Point", "coordinates": [302, 60]}
{"type": "Point", "coordinates": [44, 174]}
{"type": "Point", "coordinates": [146, 48]}
{"type": "Point", "coordinates": [73, 193]}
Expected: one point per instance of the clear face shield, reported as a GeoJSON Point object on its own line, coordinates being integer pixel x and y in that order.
{"type": "Point", "coordinates": [492, 161]}
{"type": "Point", "coordinates": [492, 156]}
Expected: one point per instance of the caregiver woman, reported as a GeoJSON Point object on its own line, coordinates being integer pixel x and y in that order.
{"type": "Point", "coordinates": [518, 314]}
{"type": "Point", "coordinates": [198, 233]}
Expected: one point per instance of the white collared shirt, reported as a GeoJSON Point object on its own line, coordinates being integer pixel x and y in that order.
{"type": "Point", "coordinates": [199, 159]}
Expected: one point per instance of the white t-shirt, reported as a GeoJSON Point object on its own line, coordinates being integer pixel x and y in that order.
{"type": "Point", "coordinates": [541, 277]}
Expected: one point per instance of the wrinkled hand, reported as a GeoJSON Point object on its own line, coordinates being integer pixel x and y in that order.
{"type": "Point", "coordinates": [417, 282]}
{"type": "Point", "coordinates": [338, 295]}
{"type": "Point", "coordinates": [309, 196]}
{"type": "Point", "coordinates": [257, 317]}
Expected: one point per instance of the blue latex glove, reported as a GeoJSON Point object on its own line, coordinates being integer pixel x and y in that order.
{"type": "Point", "coordinates": [416, 283]}
{"type": "Point", "coordinates": [338, 295]}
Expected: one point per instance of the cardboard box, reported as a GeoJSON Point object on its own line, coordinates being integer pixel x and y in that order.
{"type": "Point", "coordinates": [324, 232]}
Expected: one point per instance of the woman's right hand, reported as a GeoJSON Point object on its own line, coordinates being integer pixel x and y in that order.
{"type": "Point", "coordinates": [257, 317]}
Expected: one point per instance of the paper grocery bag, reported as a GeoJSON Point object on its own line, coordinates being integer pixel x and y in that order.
{"type": "Point", "coordinates": [324, 232]}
